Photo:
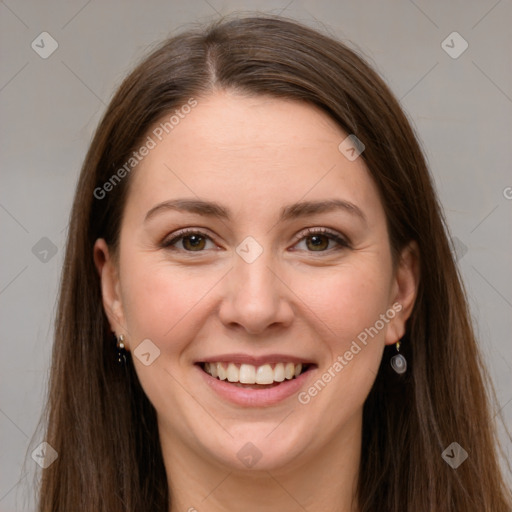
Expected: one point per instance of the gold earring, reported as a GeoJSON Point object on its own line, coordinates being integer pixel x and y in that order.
{"type": "Point", "coordinates": [121, 352]}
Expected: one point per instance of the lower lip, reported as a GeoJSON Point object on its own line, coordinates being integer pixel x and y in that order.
{"type": "Point", "coordinates": [248, 397]}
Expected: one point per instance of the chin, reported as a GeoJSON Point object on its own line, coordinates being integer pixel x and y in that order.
{"type": "Point", "coordinates": [254, 447]}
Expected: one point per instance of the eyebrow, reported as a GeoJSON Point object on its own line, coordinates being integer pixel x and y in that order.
{"type": "Point", "coordinates": [292, 211]}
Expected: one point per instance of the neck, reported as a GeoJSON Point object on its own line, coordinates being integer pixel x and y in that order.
{"type": "Point", "coordinates": [324, 480]}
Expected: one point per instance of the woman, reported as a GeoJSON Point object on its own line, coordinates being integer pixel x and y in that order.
{"type": "Point", "coordinates": [259, 307]}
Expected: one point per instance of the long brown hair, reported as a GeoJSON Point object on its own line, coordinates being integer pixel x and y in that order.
{"type": "Point", "coordinates": [98, 418]}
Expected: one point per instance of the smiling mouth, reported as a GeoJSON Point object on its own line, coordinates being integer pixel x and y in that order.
{"type": "Point", "coordinates": [255, 377]}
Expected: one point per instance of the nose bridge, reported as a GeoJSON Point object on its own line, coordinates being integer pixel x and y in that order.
{"type": "Point", "coordinates": [256, 280]}
{"type": "Point", "coordinates": [252, 268]}
{"type": "Point", "coordinates": [255, 298]}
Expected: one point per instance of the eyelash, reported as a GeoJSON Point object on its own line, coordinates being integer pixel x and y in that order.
{"type": "Point", "coordinates": [332, 235]}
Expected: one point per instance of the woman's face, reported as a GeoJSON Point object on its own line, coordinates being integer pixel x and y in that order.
{"type": "Point", "coordinates": [285, 260]}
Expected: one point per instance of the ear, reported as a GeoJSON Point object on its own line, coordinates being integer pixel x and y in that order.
{"type": "Point", "coordinates": [404, 291]}
{"type": "Point", "coordinates": [110, 288]}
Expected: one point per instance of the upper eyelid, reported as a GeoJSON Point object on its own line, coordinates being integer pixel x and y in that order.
{"type": "Point", "coordinates": [318, 230]}
{"type": "Point", "coordinates": [188, 231]}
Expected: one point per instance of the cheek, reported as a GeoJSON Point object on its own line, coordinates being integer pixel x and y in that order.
{"type": "Point", "coordinates": [168, 304]}
{"type": "Point", "coordinates": [346, 311]}
{"type": "Point", "coordinates": [163, 304]}
{"type": "Point", "coordinates": [159, 300]}
{"type": "Point", "coordinates": [345, 301]}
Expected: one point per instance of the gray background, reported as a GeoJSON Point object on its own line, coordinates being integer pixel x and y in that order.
{"type": "Point", "coordinates": [461, 109]}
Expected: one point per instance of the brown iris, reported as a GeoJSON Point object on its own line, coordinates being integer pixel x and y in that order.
{"type": "Point", "coordinates": [194, 242]}
{"type": "Point", "coordinates": [317, 242]}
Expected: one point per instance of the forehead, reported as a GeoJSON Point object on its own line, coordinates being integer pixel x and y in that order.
{"type": "Point", "coordinates": [252, 150]}
{"type": "Point", "coordinates": [227, 118]}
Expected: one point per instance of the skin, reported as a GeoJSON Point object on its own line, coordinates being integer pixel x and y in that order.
{"type": "Point", "coordinates": [255, 155]}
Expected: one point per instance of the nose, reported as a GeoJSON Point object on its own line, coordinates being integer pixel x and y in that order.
{"type": "Point", "coordinates": [256, 297]}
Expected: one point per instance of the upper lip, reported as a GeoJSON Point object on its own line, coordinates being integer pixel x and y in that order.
{"type": "Point", "coordinates": [255, 360]}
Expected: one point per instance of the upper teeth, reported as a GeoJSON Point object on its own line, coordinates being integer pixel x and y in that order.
{"type": "Point", "coordinates": [249, 374]}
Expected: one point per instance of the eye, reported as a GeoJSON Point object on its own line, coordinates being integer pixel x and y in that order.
{"type": "Point", "coordinates": [321, 240]}
{"type": "Point", "coordinates": [314, 240]}
{"type": "Point", "coordinates": [190, 241]}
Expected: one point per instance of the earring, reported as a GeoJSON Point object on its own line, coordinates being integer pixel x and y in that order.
{"type": "Point", "coordinates": [121, 352]}
{"type": "Point", "coordinates": [398, 361]}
